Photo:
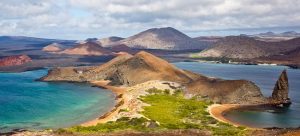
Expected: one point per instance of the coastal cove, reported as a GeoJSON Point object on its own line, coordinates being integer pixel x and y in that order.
{"type": "Point", "coordinates": [33, 105]}
{"type": "Point", "coordinates": [263, 76]}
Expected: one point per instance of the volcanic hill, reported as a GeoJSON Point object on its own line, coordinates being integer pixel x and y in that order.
{"type": "Point", "coordinates": [54, 47]}
{"type": "Point", "coordinates": [130, 70]}
{"type": "Point", "coordinates": [243, 47]}
{"type": "Point", "coordinates": [166, 38]}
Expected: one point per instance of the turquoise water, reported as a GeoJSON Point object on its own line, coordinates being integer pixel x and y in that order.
{"type": "Point", "coordinates": [29, 104]}
{"type": "Point", "coordinates": [263, 76]}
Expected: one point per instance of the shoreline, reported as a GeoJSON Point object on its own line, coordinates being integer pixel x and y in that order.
{"type": "Point", "coordinates": [218, 111]}
{"type": "Point", "coordinates": [119, 99]}
{"type": "Point", "coordinates": [127, 98]}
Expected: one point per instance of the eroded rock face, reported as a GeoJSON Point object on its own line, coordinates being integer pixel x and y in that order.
{"type": "Point", "coordinates": [15, 60]}
{"type": "Point", "coordinates": [281, 90]}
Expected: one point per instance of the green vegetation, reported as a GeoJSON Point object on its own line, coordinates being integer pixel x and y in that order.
{"type": "Point", "coordinates": [219, 59]}
{"type": "Point", "coordinates": [165, 112]}
{"type": "Point", "coordinates": [124, 123]}
{"type": "Point", "coordinates": [176, 112]}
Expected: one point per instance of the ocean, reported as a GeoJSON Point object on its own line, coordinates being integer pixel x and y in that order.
{"type": "Point", "coordinates": [33, 105]}
{"type": "Point", "coordinates": [263, 76]}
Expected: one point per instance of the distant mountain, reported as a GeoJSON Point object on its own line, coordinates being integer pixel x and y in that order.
{"type": "Point", "coordinates": [23, 40]}
{"type": "Point", "coordinates": [53, 47]}
{"type": "Point", "coordinates": [243, 47]}
{"type": "Point", "coordinates": [108, 42]}
{"type": "Point", "coordinates": [283, 34]}
{"type": "Point", "coordinates": [267, 34]}
{"type": "Point", "coordinates": [162, 38]}
{"type": "Point", "coordinates": [88, 48]}
{"type": "Point", "coordinates": [237, 47]}
{"type": "Point", "coordinates": [290, 34]}
{"type": "Point", "coordinates": [276, 37]}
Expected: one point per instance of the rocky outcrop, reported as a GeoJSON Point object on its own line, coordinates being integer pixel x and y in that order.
{"type": "Point", "coordinates": [15, 60]}
{"type": "Point", "coordinates": [281, 90]}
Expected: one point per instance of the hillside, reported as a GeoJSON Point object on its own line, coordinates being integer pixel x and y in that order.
{"type": "Point", "coordinates": [87, 48]}
{"type": "Point", "coordinates": [243, 47]}
{"type": "Point", "coordinates": [162, 38]}
{"type": "Point", "coordinates": [290, 58]}
{"type": "Point", "coordinates": [240, 47]}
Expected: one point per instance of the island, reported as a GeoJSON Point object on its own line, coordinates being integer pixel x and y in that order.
{"type": "Point", "coordinates": [153, 97]}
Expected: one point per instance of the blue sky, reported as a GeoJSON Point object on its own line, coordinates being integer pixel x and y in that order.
{"type": "Point", "coordinates": [81, 19]}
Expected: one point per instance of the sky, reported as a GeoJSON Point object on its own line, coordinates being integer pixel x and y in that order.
{"type": "Point", "coordinates": [81, 19]}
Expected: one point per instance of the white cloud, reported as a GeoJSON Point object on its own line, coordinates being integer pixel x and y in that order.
{"type": "Point", "coordinates": [97, 18]}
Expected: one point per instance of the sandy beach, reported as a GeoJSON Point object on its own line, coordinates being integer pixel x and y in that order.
{"type": "Point", "coordinates": [127, 98]}
{"type": "Point", "coordinates": [119, 91]}
{"type": "Point", "coordinates": [217, 111]}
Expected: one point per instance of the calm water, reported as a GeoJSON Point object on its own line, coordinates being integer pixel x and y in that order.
{"type": "Point", "coordinates": [28, 104]}
{"type": "Point", "coordinates": [265, 77]}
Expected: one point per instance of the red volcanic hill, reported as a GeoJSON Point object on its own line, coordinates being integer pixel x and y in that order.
{"type": "Point", "coordinates": [15, 60]}
{"type": "Point", "coordinates": [88, 48]}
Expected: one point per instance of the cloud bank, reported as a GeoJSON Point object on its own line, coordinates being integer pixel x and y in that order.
{"type": "Point", "coordinates": [79, 19]}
